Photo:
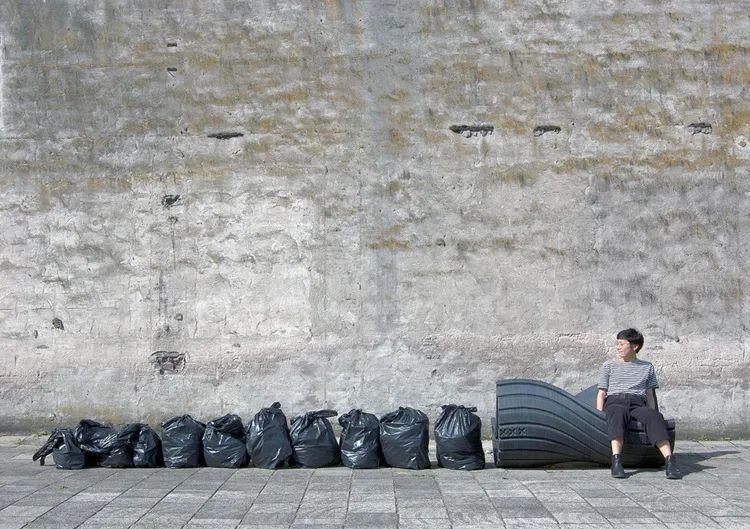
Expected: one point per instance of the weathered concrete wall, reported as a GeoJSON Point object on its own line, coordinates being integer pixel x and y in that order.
{"type": "Point", "coordinates": [349, 249]}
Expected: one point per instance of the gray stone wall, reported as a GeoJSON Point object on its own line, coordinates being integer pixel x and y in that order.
{"type": "Point", "coordinates": [211, 205]}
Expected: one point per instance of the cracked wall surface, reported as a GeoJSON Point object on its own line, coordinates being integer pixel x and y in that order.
{"type": "Point", "coordinates": [209, 206]}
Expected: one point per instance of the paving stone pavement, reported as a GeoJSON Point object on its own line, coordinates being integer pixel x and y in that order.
{"type": "Point", "coordinates": [714, 493]}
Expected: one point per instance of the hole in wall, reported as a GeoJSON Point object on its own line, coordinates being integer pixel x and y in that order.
{"type": "Point", "coordinates": [544, 129]}
{"type": "Point", "coordinates": [169, 200]}
{"type": "Point", "coordinates": [700, 128]}
{"type": "Point", "coordinates": [467, 131]}
{"type": "Point", "coordinates": [225, 135]}
{"type": "Point", "coordinates": [168, 362]}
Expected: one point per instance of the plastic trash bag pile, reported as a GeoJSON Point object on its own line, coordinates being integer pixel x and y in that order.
{"type": "Point", "coordinates": [398, 439]}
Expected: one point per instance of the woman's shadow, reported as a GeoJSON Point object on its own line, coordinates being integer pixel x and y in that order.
{"type": "Point", "coordinates": [688, 462]}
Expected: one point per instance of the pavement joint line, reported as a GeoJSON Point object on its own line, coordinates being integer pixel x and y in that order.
{"type": "Point", "coordinates": [161, 470]}
{"type": "Point", "coordinates": [107, 503]}
{"type": "Point", "coordinates": [489, 499]}
{"type": "Point", "coordinates": [349, 495]}
{"type": "Point", "coordinates": [217, 488]}
{"type": "Point", "coordinates": [268, 480]}
{"type": "Point", "coordinates": [66, 477]}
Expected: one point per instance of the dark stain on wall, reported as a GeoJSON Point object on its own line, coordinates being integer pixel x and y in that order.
{"type": "Point", "coordinates": [225, 135]}
{"type": "Point", "coordinates": [700, 128]}
{"type": "Point", "coordinates": [168, 362]}
{"type": "Point", "coordinates": [468, 131]}
{"type": "Point", "coordinates": [544, 129]}
{"type": "Point", "coordinates": [169, 200]}
{"type": "Point", "coordinates": [58, 324]}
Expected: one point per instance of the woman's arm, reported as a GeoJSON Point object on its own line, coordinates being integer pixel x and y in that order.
{"type": "Point", "coordinates": [600, 399]}
{"type": "Point", "coordinates": [651, 401]}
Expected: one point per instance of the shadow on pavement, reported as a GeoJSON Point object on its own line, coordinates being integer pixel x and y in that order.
{"type": "Point", "coordinates": [688, 462]}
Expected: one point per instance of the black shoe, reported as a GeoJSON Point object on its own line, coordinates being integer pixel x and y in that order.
{"type": "Point", "coordinates": [671, 471]}
{"type": "Point", "coordinates": [617, 470]}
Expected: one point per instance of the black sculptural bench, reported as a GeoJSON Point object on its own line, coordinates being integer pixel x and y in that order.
{"type": "Point", "coordinates": [538, 424]}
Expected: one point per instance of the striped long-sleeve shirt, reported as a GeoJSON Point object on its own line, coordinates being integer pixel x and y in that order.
{"type": "Point", "coordinates": [627, 377]}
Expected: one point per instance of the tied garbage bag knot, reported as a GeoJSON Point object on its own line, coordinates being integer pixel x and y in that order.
{"type": "Point", "coordinates": [458, 438]}
{"type": "Point", "coordinates": [314, 444]}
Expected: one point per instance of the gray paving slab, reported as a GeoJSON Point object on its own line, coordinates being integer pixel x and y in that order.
{"type": "Point", "coordinates": [369, 519]}
{"type": "Point", "coordinates": [426, 512]}
{"type": "Point", "coordinates": [419, 523]}
{"type": "Point", "coordinates": [275, 519]}
{"type": "Point", "coordinates": [13, 523]}
{"type": "Point", "coordinates": [580, 517]}
{"type": "Point", "coordinates": [530, 523]}
{"type": "Point", "coordinates": [372, 507]}
{"type": "Point", "coordinates": [713, 494]}
{"type": "Point", "coordinates": [476, 518]}
{"type": "Point", "coordinates": [212, 523]}
{"type": "Point", "coordinates": [263, 526]}
{"type": "Point", "coordinates": [274, 508]}
{"type": "Point", "coordinates": [733, 522]}
{"type": "Point", "coordinates": [223, 511]}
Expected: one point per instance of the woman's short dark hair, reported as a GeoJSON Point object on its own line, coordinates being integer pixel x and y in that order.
{"type": "Point", "coordinates": [633, 336]}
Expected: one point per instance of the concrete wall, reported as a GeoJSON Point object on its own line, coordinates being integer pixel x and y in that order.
{"type": "Point", "coordinates": [349, 249]}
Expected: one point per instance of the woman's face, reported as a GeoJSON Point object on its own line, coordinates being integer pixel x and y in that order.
{"type": "Point", "coordinates": [626, 350]}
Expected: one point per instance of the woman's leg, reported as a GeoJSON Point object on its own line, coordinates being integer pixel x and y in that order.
{"type": "Point", "coordinates": [664, 448]}
{"type": "Point", "coordinates": [656, 431]}
{"type": "Point", "coordinates": [616, 408]}
{"type": "Point", "coordinates": [655, 426]}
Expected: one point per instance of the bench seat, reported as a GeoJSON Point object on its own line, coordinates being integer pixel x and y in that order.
{"type": "Point", "coordinates": [538, 424]}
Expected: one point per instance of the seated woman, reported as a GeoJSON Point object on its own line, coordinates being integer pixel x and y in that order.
{"type": "Point", "coordinates": [626, 389]}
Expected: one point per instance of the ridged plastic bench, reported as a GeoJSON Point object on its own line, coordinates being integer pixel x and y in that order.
{"type": "Point", "coordinates": [538, 424]}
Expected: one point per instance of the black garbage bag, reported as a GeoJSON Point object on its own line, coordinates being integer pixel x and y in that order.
{"type": "Point", "coordinates": [66, 453]}
{"type": "Point", "coordinates": [224, 442]}
{"type": "Point", "coordinates": [121, 453]}
{"type": "Point", "coordinates": [404, 437]}
{"type": "Point", "coordinates": [95, 437]}
{"type": "Point", "coordinates": [313, 441]}
{"type": "Point", "coordinates": [268, 441]}
{"type": "Point", "coordinates": [360, 440]}
{"type": "Point", "coordinates": [458, 438]}
{"type": "Point", "coordinates": [147, 451]}
{"type": "Point", "coordinates": [181, 442]}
